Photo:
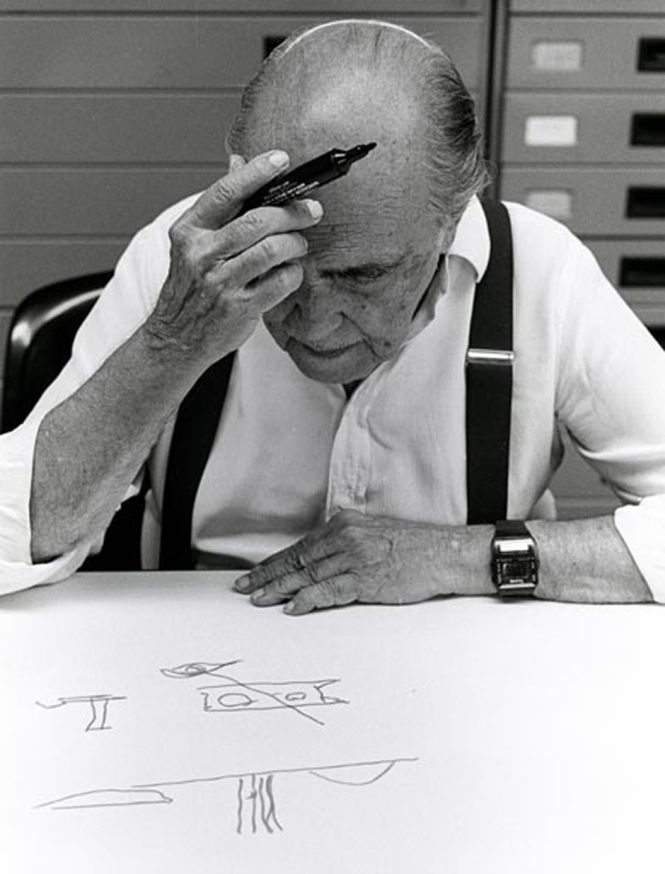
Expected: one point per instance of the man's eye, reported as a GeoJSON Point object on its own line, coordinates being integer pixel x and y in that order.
{"type": "Point", "coordinates": [362, 277]}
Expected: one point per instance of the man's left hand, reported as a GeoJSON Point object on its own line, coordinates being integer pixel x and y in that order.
{"type": "Point", "coordinates": [354, 557]}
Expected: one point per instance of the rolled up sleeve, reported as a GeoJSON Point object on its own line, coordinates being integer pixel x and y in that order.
{"type": "Point", "coordinates": [17, 570]}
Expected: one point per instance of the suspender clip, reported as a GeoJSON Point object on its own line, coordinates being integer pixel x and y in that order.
{"type": "Point", "coordinates": [490, 356]}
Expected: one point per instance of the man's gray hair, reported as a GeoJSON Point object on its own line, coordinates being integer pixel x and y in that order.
{"type": "Point", "coordinates": [453, 146]}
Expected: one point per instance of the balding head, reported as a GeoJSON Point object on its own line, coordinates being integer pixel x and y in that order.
{"type": "Point", "coordinates": [374, 255]}
{"type": "Point", "coordinates": [354, 81]}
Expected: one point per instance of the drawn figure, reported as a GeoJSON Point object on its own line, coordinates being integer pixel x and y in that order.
{"type": "Point", "coordinates": [109, 798]}
{"type": "Point", "coordinates": [267, 696]}
{"type": "Point", "coordinates": [197, 669]}
{"type": "Point", "coordinates": [256, 807]}
{"type": "Point", "coordinates": [236, 695]}
{"type": "Point", "coordinates": [99, 705]}
{"type": "Point", "coordinates": [256, 804]}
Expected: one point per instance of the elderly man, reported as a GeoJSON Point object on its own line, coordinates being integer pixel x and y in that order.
{"type": "Point", "coordinates": [338, 462]}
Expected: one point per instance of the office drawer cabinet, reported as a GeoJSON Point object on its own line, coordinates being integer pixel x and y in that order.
{"type": "Point", "coordinates": [110, 110]}
{"type": "Point", "coordinates": [572, 128]}
{"type": "Point", "coordinates": [594, 7]}
{"type": "Point", "coordinates": [587, 53]}
{"type": "Point", "coordinates": [583, 140]}
{"type": "Point", "coordinates": [173, 52]}
{"type": "Point", "coordinates": [595, 201]}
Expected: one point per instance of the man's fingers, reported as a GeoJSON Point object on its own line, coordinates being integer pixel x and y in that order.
{"type": "Point", "coordinates": [225, 197]}
{"type": "Point", "coordinates": [236, 162]}
{"type": "Point", "coordinates": [334, 592]}
{"type": "Point", "coordinates": [258, 260]}
{"type": "Point", "coordinates": [312, 574]}
{"type": "Point", "coordinates": [305, 553]}
{"type": "Point", "coordinates": [258, 224]}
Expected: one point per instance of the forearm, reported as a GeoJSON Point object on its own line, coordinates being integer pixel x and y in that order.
{"type": "Point", "coordinates": [90, 447]}
{"type": "Point", "coordinates": [583, 560]}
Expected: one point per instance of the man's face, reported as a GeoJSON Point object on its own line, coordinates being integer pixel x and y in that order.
{"type": "Point", "coordinates": [367, 269]}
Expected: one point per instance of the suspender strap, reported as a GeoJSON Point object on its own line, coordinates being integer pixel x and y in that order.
{"type": "Point", "coordinates": [489, 377]}
{"type": "Point", "coordinates": [193, 436]}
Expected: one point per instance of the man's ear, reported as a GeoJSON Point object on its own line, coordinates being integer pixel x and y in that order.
{"type": "Point", "coordinates": [236, 162]}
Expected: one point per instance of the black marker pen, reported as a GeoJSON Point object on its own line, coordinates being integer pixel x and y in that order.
{"type": "Point", "coordinates": [305, 178]}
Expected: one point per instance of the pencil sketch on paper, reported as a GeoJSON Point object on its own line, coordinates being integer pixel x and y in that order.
{"type": "Point", "coordinates": [108, 798]}
{"type": "Point", "coordinates": [99, 707]}
{"type": "Point", "coordinates": [255, 804]}
{"type": "Point", "coordinates": [236, 696]}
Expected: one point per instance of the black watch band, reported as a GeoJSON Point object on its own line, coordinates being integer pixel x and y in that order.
{"type": "Point", "coordinates": [514, 559]}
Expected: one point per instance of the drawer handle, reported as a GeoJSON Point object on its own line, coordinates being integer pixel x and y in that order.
{"type": "Point", "coordinates": [270, 43]}
{"type": "Point", "coordinates": [651, 55]}
{"type": "Point", "coordinates": [648, 203]}
{"type": "Point", "coordinates": [648, 129]}
{"type": "Point", "coordinates": [642, 273]}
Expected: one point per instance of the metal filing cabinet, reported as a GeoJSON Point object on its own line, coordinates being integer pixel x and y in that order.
{"type": "Point", "coordinates": [112, 109]}
{"type": "Point", "coordinates": [583, 140]}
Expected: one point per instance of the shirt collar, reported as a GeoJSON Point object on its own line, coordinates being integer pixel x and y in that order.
{"type": "Point", "coordinates": [472, 240]}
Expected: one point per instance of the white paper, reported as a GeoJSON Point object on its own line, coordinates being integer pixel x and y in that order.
{"type": "Point", "coordinates": [458, 735]}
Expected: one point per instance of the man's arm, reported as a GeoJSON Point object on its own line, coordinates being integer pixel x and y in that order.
{"type": "Point", "coordinates": [388, 561]}
{"type": "Point", "coordinates": [225, 271]}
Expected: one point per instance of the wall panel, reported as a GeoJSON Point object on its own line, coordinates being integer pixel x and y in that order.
{"type": "Point", "coordinates": [111, 110]}
{"type": "Point", "coordinates": [196, 51]}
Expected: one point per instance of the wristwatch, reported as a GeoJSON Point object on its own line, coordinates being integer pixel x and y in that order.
{"type": "Point", "coordinates": [514, 559]}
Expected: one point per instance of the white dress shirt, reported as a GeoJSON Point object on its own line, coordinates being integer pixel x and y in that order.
{"type": "Point", "coordinates": [289, 451]}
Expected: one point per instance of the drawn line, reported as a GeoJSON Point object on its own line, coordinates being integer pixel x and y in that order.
{"type": "Point", "coordinates": [196, 669]}
{"type": "Point", "coordinates": [353, 782]}
{"type": "Point", "coordinates": [99, 705]}
{"type": "Point", "coordinates": [240, 791]}
{"type": "Point", "coordinates": [281, 704]}
{"type": "Point", "coordinates": [272, 813]}
{"type": "Point", "coordinates": [253, 797]}
{"type": "Point", "coordinates": [262, 800]}
{"type": "Point", "coordinates": [305, 770]}
{"type": "Point", "coordinates": [123, 798]}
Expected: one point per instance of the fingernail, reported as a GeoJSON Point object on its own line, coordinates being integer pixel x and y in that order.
{"type": "Point", "coordinates": [278, 159]}
{"type": "Point", "coordinates": [314, 208]}
{"type": "Point", "coordinates": [242, 583]}
{"type": "Point", "coordinates": [258, 595]}
{"type": "Point", "coordinates": [235, 163]}
{"type": "Point", "coordinates": [289, 607]}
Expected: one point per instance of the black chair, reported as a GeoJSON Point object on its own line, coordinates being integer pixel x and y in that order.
{"type": "Point", "coordinates": [658, 332]}
{"type": "Point", "coordinates": [39, 345]}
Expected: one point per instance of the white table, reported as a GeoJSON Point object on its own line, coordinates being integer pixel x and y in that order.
{"type": "Point", "coordinates": [461, 735]}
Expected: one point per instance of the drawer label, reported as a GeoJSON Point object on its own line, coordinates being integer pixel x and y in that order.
{"type": "Point", "coordinates": [556, 203]}
{"type": "Point", "coordinates": [551, 130]}
{"type": "Point", "coordinates": [559, 57]}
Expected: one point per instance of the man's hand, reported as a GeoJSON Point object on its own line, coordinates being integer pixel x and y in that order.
{"type": "Point", "coordinates": [227, 269]}
{"type": "Point", "coordinates": [370, 559]}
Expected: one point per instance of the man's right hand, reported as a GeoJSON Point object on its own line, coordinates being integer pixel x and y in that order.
{"type": "Point", "coordinates": [227, 269]}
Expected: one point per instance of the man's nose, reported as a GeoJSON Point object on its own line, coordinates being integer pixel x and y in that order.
{"type": "Point", "coordinates": [316, 307]}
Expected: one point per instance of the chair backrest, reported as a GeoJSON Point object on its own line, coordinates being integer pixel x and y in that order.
{"type": "Point", "coordinates": [658, 331]}
{"type": "Point", "coordinates": [40, 340]}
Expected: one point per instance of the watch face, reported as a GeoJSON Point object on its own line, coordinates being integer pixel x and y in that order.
{"type": "Point", "coordinates": [516, 575]}
{"type": "Point", "coordinates": [516, 568]}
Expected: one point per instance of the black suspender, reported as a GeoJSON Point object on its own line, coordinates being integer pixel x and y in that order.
{"type": "Point", "coordinates": [488, 399]}
{"type": "Point", "coordinates": [489, 377]}
{"type": "Point", "coordinates": [193, 435]}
